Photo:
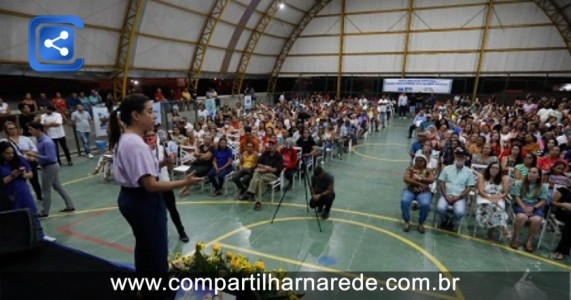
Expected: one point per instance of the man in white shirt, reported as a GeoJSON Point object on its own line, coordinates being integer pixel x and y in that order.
{"type": "Point", "coordinates": [403, 105]}
{"type": "Point", "coordinates": [382, 109]}
{"type": "Point", "coordinates": [53, 122]}
{"type": "Point", "coordinates": [82, 121]}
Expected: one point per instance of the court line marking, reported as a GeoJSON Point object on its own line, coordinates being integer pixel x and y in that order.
{"type": "Point", "coordinates": [66, 229]}
{"type": "Point", "coordinates": [319, 268]}
{"type": "Point", "coordinates": [405, 241]}
{"type": "Point", "coordinates": [375, 216]}
{"type": "Point", "coordinates": [80, 179]}
{"type": "Point", "coordinates": [377, 158]}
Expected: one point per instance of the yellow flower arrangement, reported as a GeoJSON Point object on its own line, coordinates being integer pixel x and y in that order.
{"type": "Point", "coordinates": [225, 265]}
{"type": "Point", "coordinates": [216, 248]}
{"type": "Point", "coordinates": [260, 266]}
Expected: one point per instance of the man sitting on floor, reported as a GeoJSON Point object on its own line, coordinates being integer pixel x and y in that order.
{"type": "Point", "coordinates": [322, 192]}
{"type": "Point", "coordinates": [268, 169]}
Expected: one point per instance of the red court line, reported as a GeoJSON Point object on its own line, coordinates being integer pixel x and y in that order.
{"type": "Point", "coordinates": [66, 230]}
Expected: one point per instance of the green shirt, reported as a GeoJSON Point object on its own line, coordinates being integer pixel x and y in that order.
{"type": "Point", "coordinates": [529, 197]}
{"type": "Point", "coordinates": [456, 181]}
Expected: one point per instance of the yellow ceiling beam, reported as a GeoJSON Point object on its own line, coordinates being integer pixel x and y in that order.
{"type": "Point", "coordinates": [124, 57]}
{"type": "Point", "coordinates": [489, 9]}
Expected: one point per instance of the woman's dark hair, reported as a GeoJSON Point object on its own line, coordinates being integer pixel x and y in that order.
{"type": "Point", "coordinates": [488, 176]}
{"type": "Point", "coordinates": [545, 142]}
{"type": "Point", "coordinates": [519, 158]}
{"type": "Point", "coordinates": [533, 159]}
{"type": "Point", "coordinates": [134, 102]}
{"type": "Point", "coordinates": [15, 162]}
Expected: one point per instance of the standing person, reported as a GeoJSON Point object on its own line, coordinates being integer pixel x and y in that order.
{"type": "Point", "coordinates": [402, 104]}
{"type": "Point", "coordinates": [14, 170]}
{"type": "Point", "coordinates": [136, 170]}
{"type": "Point", "coordinates": [322, 192]}
{"type": "Point", "coordinates": [47, 159]}
{"type": "Point", "coordinates": [53, 122]}
{"type": "Point", "coordinates": [165, 163]}
{"type": "Point", "coordinates": [25, 148]}
{"type": "Point", "coordinates": [82, 121]}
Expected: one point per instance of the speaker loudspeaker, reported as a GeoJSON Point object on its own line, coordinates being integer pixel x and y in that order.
{"type": "Point", "coordinates": [17, 231]}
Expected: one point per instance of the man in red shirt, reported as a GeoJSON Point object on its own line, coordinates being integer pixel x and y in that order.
{"type": "Point", "coordinates": [159, 96]}
{"type": "Point", "coordinates": [289, 155]}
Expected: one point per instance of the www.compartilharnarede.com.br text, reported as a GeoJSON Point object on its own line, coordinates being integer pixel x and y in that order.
{"type": "Point", "coordinates": [267, 282]}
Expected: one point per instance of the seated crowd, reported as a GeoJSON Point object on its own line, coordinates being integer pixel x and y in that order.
{"type": "Point", "coordinates": [501, 163]}
{"type": "Point", "coordinates": [513, 158]}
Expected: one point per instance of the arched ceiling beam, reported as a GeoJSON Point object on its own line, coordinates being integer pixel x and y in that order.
{"type": "Point", "coordinates": [263, 23]}
{"type": "Point", "coordinates": [238, 30]}
{"type": "Point", "coordinates": [560, 21]}
{"type": "Point", "coordinates": [489, 10]}
{"type": "Point", "coordinates": [315, 9]}
{"type": "Point", "coordinates": [202, 45]}
{"type": "Point", "coordinates": [407, 36]}
{"type": "Point", "coordinates": [341, 46]}
{"type": "Point", "coordinates": [124, 58]}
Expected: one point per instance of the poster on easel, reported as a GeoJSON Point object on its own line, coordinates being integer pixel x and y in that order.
{"type": "Point", "coordinates": [101, 120]}
{"type": "Point", "coordinates": [157, 112]}
{"type": "Point", "coordinates": [247, 102]}
{"type": "Point", "coordinates": [211, 107]}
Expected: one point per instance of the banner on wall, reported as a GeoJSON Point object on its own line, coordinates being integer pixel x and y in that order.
{"type": "Point", "coordinates": [157, 112]}
{"type": "Point", "coordinates": [417, 85]}
{"type": "Point", "coordinates": [101, 120]}
{"type": "Point", "coordinates": [247, 102]}
{"type": "Point", "coordinates": [210, 107]}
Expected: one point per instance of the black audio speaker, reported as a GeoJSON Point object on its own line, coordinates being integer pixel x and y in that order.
{"type": "Point", "coordinates": [17, 231]}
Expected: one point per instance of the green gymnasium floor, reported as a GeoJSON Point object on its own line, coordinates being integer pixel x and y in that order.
{"type": "Point", "coordinates": [363, 232]}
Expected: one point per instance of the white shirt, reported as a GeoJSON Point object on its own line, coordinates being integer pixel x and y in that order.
{"type": "Point", "coordinates": [3, 108]}
{"type": "Point", "coordinates": [203, 113]}
{"type": "Point", "coordinates": [159, 153]}
{"type": "Point", "coordinates": [544, 114]}
{"type": "Point", "coordinates": [53, 132]}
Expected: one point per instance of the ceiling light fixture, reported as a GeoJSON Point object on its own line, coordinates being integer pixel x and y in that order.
{"type": "Point", "coordinates": [281, 5]}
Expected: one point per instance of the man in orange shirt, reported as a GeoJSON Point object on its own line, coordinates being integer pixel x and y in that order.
{"type": "Point", "coordinates": [248, 137]}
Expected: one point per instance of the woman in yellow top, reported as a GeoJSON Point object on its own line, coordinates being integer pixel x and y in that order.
{"type": "Point", "coordinates": [248, 162]}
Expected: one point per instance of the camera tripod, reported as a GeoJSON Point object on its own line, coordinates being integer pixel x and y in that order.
{"type": "Point", "coordinates": [306, 186]}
